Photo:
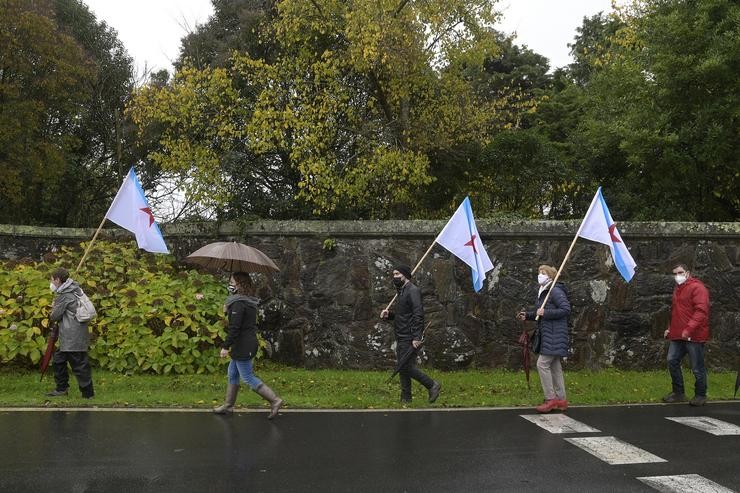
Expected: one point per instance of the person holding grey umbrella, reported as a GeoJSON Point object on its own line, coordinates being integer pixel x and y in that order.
{"type": "Point", "coordinates": [408, 321]}
{"type": "Point", "coordinates": [241, 345]}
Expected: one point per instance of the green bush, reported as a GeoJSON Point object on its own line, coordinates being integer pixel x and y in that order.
{"type": "Point", "coordinates": [154, 315]}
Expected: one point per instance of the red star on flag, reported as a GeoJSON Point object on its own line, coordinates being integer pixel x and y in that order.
{"type": "Point", "coordinates": [612, 233]}
{"type": "Point", "coordinates": [148, 211]}
{"type": "Point", "coordinates": [471, 243]}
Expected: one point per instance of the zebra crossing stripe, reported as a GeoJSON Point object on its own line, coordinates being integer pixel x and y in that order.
{"type": "Point", "coordinates": [684, 483]}
{"type": "Point", "coordinates": [559, 423]}
{"type": "Point", "coordinates": [614, 451]}
{"type": "Point", "coordinates": [710, 425]}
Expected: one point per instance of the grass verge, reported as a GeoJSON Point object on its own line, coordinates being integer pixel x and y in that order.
{"type": "Point", "coordinates": [351, 389]}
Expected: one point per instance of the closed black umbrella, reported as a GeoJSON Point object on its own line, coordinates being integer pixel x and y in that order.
{"type": "Point", "coordinates": [411, 352]}
{"type": "Point", "coordinates": [737, 383]}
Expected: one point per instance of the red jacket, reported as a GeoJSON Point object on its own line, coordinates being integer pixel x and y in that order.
{"type": "Point", "coordinates": [690, 311]}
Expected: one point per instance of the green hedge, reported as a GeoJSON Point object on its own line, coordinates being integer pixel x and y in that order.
{"type": "Point", "coordinates": [154, 314]}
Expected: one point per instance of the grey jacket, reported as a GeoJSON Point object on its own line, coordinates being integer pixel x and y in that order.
{"type": "Point", "coordinates": [73, 335]}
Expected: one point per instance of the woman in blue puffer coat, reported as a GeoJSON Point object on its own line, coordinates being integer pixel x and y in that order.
{"type": "Point", "coordinates": [553, 327]}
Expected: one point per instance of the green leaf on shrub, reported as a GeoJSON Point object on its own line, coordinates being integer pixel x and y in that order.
{"type": "Point", "coordinates": [149, 317]}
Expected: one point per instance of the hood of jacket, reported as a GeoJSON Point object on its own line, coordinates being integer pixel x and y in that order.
{"type": "Point", "coordinates": [562, 286]}
{"type": "Point", "coordinates": [558, 284]}
{"type": "Point", "coordinates": [68, 286]}
{"type": "Point", "coordinates": [233, 298]}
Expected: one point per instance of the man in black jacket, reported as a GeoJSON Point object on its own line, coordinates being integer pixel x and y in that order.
{"type": "Point", "coordinates": [408, 320]}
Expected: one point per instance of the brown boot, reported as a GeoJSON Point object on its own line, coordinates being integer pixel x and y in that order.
{"type": "Point", "coordinates": [228, 406]}
{"type": "Point", "coordinates": [275, 402]}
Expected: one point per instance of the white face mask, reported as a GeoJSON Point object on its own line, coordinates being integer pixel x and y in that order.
{"type": "Point", "coordinates": [680, 279]}
{"type": "Point", "coordinates": [542, 278]}
{"type": "Point", "coordinates": [52, 287]}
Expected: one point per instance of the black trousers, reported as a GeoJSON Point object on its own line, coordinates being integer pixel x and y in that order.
{"type": "Point", "coordinates": [80, 364]}
{"type": "Point", "coordinates": [409, 371]}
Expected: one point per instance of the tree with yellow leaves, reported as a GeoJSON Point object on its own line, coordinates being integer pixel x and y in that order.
{"type": "Point", "coordinates": [345, 111]}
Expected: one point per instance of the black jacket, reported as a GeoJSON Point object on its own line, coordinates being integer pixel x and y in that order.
{"type": "Point", "coordinates": [241, 335]}
{"type": "Point", "coordinates": [408, 317]}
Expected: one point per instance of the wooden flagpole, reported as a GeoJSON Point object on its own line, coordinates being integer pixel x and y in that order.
{"type": "Point", "coordinates": [418, 264]}
{"type": "Point", "coordinates": [89, 246]}
{"type": "Point", "coordinates": [562, 265]}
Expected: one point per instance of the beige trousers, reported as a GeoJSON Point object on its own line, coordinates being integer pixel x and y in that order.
{"type": "Point", "coordinates": [551, 376]}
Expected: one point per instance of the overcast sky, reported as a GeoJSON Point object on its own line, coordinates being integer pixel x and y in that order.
{"type": "Point", "coordinates": [151, 29]}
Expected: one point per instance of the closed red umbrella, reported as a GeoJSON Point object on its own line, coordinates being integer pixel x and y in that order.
{"type": "Point", "coordinates": [51, 341]}
{"type": "Point", "coordinates": [524, 342]}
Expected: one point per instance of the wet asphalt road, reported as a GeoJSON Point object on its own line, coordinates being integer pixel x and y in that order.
{"type": "Point", "coordinates": [480, 450]}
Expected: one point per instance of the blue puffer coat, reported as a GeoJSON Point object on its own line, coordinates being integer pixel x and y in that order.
{"type": "Point", "coordinates": [554, 324]}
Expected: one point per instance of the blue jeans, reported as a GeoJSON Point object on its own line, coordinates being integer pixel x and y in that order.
{"type": "Point", "coordinates": [243, 368]}
{"type": "Point", "coordinates": [676, 351]}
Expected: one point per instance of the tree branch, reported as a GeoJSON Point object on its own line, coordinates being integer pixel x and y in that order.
{"type": "Point", "coordinates": [400, 7]}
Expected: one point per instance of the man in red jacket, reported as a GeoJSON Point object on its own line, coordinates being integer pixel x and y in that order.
{"type": "Point", "coordinates": [688, 332]}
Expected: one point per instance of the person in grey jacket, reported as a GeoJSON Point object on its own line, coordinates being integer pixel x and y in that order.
{"type": "Point", "coordinates": [74, 337]}
{"type": "Point", "coordinates": [408, 320]}
{"type": "Point", "coordinates": [553, 327]}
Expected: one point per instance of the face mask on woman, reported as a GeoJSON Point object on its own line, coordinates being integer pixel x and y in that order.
{"type": "Point", "coordinates": [680, 279]}
{"type": "Point", "coordinates": [542, 279]}
{"type": "Point", "coordinates": [231, 288]}
{"type": "Point", "coordinates": [53, 287]}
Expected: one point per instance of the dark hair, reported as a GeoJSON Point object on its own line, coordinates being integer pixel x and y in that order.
{"type": "Point", "coordinates": [243, 283]}
{"type": "Point", "coordinates": [60, 273]}
{"type": "Point", "coordinates": [682, 265]}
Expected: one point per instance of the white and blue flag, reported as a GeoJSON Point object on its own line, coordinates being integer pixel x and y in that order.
{"type": "Point", "coordinates": [599, 226]}
{"type": "Point", "coordinates": [460, 236]}
{"type": "Point", "coordinates": [131, 211]}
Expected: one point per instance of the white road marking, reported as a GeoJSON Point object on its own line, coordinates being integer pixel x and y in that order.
{"type": "Point", "coordinates": [614, 451]}
{"type": "Point", "coordinates": [684, 483]}
{"type": "Point", "coordinates": [710, 425]}
{"type": "Point", "coordinates": [559, 423]}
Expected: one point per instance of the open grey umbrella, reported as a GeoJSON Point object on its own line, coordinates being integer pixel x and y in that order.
{"type": "Point", "coordinates": [231, 256]}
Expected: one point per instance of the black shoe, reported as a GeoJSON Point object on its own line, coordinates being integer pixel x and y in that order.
{"type": "Point", "coordinates": [698, 400]}
{"type": "Point", "coordinates": [674, 397]}
{"type": "Point", "coordinates": [434, 392]}
{"type": "Point", "coordinates": [88, 391]}
{"type": "Point", "coordinates": [56, 393]}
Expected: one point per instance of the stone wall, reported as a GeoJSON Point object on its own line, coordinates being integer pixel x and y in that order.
{"type": "Point", "coordinates": [322, 309]}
